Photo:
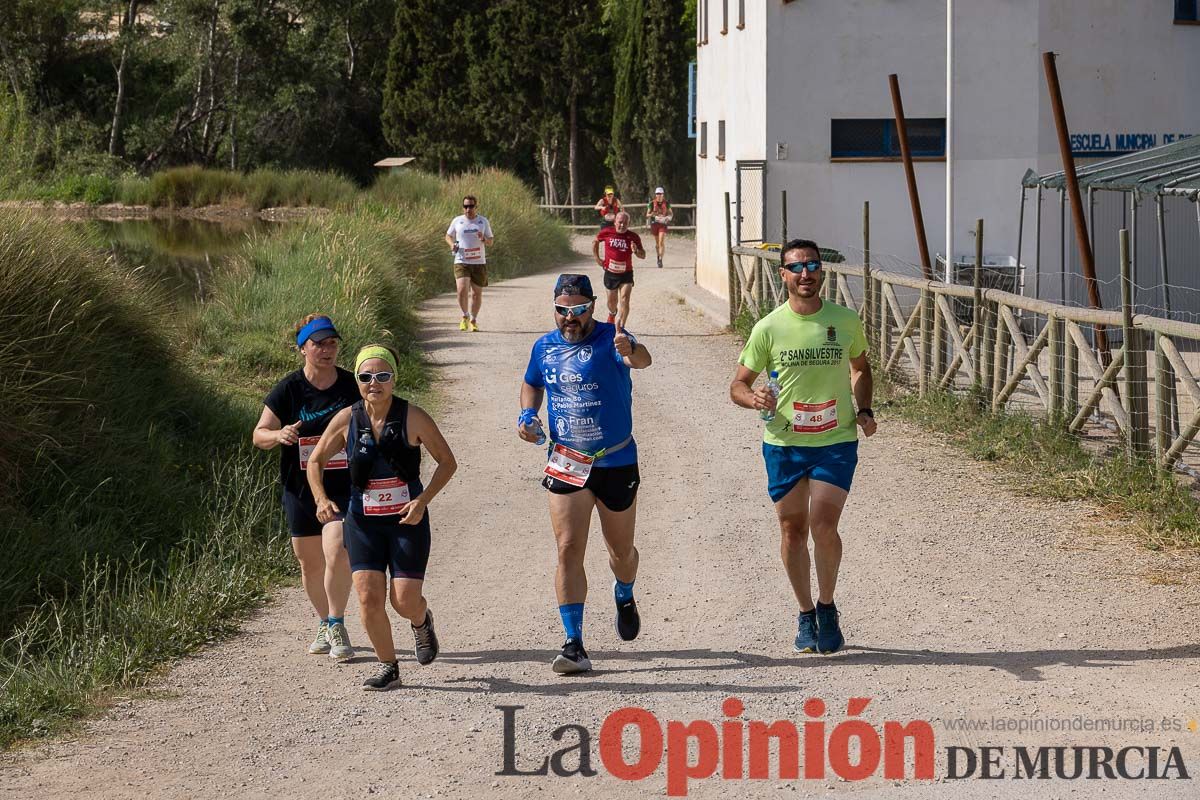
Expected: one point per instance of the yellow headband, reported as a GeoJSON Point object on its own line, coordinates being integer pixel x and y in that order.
{"type": "Point", "coordinates": [374, 351]}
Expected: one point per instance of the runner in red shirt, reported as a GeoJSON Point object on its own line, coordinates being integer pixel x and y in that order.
{"type": "Point", "coordinates": [608, 207]}
{"type": "Point", "coordinates": [620, 246]}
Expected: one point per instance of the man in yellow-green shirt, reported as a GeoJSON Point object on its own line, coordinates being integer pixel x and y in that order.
{"type": "Point", "coordinates": [810, 445]}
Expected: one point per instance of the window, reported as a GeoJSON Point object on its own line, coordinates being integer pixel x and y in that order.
{"type": "Point", "coordinates": [877, 138]}
{"type": "Point", "coordinates": [721, 139]}
{"type": "Point", "coordinates": [704, 140]}
{"type": "Point", "coordinates": [724, 17]}
{"type": "Point", "coordinates": [741, 14]}
{"type": "Point", "coordinates": [1187, 11]}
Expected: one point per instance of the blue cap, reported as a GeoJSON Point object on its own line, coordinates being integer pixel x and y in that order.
{"type": "Point", "coordinates": [569, 283]}
{"type": "Point", "coordinates": [318, 330]}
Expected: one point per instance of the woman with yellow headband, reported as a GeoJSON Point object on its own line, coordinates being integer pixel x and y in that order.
{"type": "Point", "coordinates": [608, 207]}
{"type": "Point", "coordinates": [387, 525]}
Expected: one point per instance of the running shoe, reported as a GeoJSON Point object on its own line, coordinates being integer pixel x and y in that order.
{"type": "Point", "coordinates": [462, 325]}
{"type": "Point", "coordinates": [572, 659]}
{"type": "Point", "coordinates": [474, 326]}
{"type": "Point", "coordinates": [387, 676]}
{"type": "Point", "coordinates": [426, 641]}
{"type": "Point", "coordinates": [660, 262]}
{"type": "Point", "coordinates": [806, 636]}
{"type": "Point", "coordinates": [829, 633]}
{"type": "Point", "coordinates": [320, 645]}
{"type": "Point", "coordinates": [339, 641]}
{"type": "Point", "coordinates": [629, 622]}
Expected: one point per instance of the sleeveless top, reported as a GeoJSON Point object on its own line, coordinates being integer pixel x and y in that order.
{"type": "Point", "coordinates": [389, 457]}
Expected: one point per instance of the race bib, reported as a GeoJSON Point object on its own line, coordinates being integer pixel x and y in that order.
{"type": "Point", "coordinates": [617, 267]}
{"type": "Point", "coordinates": [471, 253]}
{"type": "Point", "coordinates": [309, 443]}
{"type": "Point", "coordinates": [814, 417]}
{"type": "Point", "coordinates": [384, 496]}
{"type": "Point", "coordinates": [662, 220]}
{"type": "Point", "coordinates": [569, 466]}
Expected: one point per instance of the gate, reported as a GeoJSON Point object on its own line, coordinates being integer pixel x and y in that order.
{"type": "Point", "coordinates": [750, 202]}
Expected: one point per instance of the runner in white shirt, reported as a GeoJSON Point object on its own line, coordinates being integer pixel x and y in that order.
{"type": "Point", "coordinates": [469, 235]}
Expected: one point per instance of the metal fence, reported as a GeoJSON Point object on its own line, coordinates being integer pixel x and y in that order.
{"type": "Point", "coordinates": [1114, 378]}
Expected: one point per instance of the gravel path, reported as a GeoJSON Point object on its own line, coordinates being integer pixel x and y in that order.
{"type": "Point", "coordinates": [960, 600]}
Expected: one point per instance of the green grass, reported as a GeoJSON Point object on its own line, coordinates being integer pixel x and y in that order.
{"type": "Point", "coordinates": [137, 521]}
{"type": "Point", "coordinates": [1044, 460]}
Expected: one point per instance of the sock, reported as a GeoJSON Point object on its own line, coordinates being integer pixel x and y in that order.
{"type": "Point", "coordinates": [473, 318]}
{"type": "Point", "coordinates": [336, 620]}
{"type": "Point", "coordinates": [825, 605]}
{"type": "Point", "coordinates": [572, 620]}
{"type": "Point", "coordinates": [623, 591]}
{"type": "Point", "coordinates": [812, 612]}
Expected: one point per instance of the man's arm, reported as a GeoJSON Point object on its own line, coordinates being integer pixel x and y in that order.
{"type": "Point", "coordinates": [741, 393]}
{"type": "Point", "coordinates": [596, 251]}
{"type": "Point", "coordinates": [633, 354]}
{"type": "Point", "coordinates": [638, 250]}
{"type": "Point", "coordinates": [531, 397]}
{"type": "Point", "coordinates": [863, 385]}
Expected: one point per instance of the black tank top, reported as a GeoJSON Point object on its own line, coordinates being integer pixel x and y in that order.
{"type": "Point", "coordinates": [391, 456]}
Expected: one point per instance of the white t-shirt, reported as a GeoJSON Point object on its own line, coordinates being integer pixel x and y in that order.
{"type": "Point", "coordinates": [470, 233]}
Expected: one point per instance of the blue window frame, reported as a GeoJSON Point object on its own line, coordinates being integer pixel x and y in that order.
{"type": "Point", "coordinates": [877, 138]}
{"type": "Point", "coordinates": [1187, 11]}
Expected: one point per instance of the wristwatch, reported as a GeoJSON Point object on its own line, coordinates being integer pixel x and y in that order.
{"type": "Point", "coordinates": [867, 410]}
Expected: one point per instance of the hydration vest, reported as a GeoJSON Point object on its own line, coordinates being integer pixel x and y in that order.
{"type": "Point", "coordinates": [400, 458]}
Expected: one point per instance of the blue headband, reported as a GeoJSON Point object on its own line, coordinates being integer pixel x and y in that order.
{"type": "Point", "coordinates": [318, 324]}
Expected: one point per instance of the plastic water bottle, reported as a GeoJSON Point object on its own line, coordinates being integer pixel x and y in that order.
{"type": "Point", "coordinates": [774, 388]}
{"type": "Point", "coordinates": [541, 433]}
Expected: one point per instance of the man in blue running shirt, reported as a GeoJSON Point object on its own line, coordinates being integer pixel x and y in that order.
{"type": "Point", "coordinates": [583, 368]}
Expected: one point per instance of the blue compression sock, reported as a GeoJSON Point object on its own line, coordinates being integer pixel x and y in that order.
{"type": "Point", "coordinates": [572, 620]}
{"type": "Point", "coordinates": [336, 620]}
{"type": "Point", "coordinates": [623, 591]}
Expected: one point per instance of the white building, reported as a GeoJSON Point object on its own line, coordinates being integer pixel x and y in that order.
{"type": "Point", "coordinates": [800, 87]}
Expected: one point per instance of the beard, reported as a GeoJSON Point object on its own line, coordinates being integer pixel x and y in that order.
{"type": "Point", "coordinates": [575, 331]}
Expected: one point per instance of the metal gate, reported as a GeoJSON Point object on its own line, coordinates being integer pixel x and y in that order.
{"type": "Point", "coordinates": [750, 203]}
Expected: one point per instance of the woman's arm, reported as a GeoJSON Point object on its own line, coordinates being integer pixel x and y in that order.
{"type": "Point", "coordinates": [333, 441]}
{"type": "Point", "coordinates": [423, 431]}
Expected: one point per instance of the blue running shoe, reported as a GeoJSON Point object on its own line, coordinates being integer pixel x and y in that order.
{"type": "Point", "coordinates": [806, 636]}
{"type": "Point", "coordinates": [829, 633]}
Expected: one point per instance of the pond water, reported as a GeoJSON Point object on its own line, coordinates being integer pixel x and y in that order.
{"type": "Point", "coordinates": [180, 255]}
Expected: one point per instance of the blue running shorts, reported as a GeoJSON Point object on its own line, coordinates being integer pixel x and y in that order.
{"type": "Point", "coordinates": [787, 466]}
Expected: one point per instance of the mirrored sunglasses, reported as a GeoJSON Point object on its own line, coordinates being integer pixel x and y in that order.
{"type": "Point", "coordinates": [572, 311]}
{"type": "Point", "coordinates": [797, 267]}
{"type": "Point", "coordinates": [379, 377]}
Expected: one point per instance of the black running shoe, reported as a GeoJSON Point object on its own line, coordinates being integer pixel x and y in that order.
{"type": "Point", "coordinates": [572, 659]}
{"type": "Point", "coordinates": [387, 676]}
{"type": "Point", "coordinates": [426, 641]}
{"type": "Point", "coordinates": [629, 622]}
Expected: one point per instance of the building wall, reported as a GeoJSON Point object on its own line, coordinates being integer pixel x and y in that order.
{"type": "Point", "coordinates": [1123, 69]}
{"type": "Point", "coordinates": [730, 87]}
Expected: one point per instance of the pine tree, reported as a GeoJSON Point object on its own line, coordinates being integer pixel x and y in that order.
{"type": "Point", "coordinates": [629, 89]}
{"type": "Point", "coordinates": [427, 105]}
{"type": "Point", "coordinates": [662, 122]}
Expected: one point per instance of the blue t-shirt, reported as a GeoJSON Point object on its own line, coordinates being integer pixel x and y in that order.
{"type": "Point", "coordinates": [589, 393]}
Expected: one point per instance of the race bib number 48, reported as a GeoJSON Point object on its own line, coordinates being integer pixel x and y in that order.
{"type": "Point", "coordinates": [309, 443]}
{"type": "Point", "coordinates": [814, 417]}
{"type": "Point", "coordinates": [384, 496]}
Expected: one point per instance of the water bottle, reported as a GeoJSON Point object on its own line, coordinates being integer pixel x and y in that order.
{"type": "Point", "coordinates": [537, 428]}
{"type": "Point", "coordinates": [774, 388]}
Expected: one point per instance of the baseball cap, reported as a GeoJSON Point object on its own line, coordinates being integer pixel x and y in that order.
{"type": "Point", "coordinates": [609, 190]}
{"type": "Point", "coordinates": [569, 283]}
{"type": "Point", "coordinates": [659, 190]}
{"type": "Point", "coordinates": [318, 330]}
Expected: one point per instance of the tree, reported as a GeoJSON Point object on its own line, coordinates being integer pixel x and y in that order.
{"type": "Point", "coordinates": [427, 103]}
{"type": "Point", "coordinates": [629, 87]}
{"type": "Point", "coordinates": [128, 38]}
{"type": "Point", "coordinates": [661, 127]}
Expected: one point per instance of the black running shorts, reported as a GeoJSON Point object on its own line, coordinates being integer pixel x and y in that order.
{"type": "Point", "coordinates": [382, 543]}
{"type": "Point", "coordinates": [614, 279]}
{"type": "Point", "coordinates": [615, 487]}
{"type": "Point", "coordinates": [301, 513]}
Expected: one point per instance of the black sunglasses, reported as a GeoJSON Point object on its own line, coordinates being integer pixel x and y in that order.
{"type": "Point", "coordinates": [797, 267]}
{"type": "Point", "coordinates": [468, 205]}
{"type": "Point", "coordinates": [381, 377]}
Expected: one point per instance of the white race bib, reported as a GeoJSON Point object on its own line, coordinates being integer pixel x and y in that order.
{"type": "Point", "coordinates": [471, 253]}
{"type": "Point", "coordinates": [569, 466]}
{"type": "Point", "coordinates": [384, 496]}
{"type": "Point", "coordinates": [309, 443]}
{"type": "Point", "coordinates": [814, 417]}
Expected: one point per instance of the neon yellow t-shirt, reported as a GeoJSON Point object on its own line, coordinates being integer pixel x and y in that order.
{"type": "Point", "coordinates": [812, 355]}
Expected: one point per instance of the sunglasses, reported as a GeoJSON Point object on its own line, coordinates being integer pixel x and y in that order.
{"type": "Point", "coordinates": [379, 377]}
{"type": "Point", "coordinates": [797, 267]}
{"type": "Point", "coordinates": [572, 311]}
{"type": "Point", "coordinates": [468, 205]}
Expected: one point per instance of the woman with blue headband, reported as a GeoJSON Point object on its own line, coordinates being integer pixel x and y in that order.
{"type": "Point", "coordinates": [387, 525]}
{"type": "Point", "coordinates": [294, 416]}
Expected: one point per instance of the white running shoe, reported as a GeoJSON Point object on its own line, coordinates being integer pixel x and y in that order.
{"type": "Point", "coordinates": [339, 641]}
{"type": "Point", "coordinates": [320, 645]}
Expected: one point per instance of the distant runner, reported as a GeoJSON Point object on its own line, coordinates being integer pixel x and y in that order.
{"type": "Point", "coordinates": [469, 235]}
{"type": "Point", "coordinates": [608, 207]}
{"type": "Point", "coordinates": [293, 418]}
{"type": "Point", "coordinates": [658, 214]}
{"type": "Point", "coordinates": [810, 446]}
{"type": "Point", "coordinates": [583, 367]}
{"type": "Point", "coordinates": [620, 246]}
{"type": "Point", "coordinates": [387, 526]}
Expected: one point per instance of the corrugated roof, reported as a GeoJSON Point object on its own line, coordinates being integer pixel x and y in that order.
{"type": "Point", "coordinates": [395, 161]}
{"type": "Point", "coordinates": [1171, 169]}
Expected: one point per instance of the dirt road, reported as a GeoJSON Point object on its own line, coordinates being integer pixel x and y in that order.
{"type": "Point", "coordinates": [960, 601]}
